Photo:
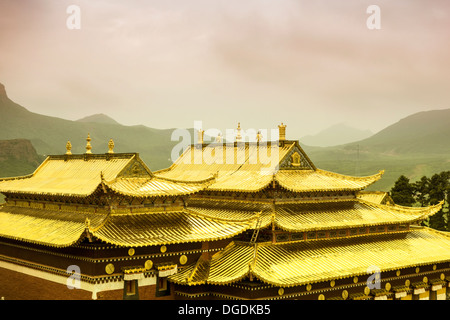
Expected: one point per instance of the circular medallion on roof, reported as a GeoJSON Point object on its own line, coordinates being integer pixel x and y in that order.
{"type": "Point", "coordinates": [425, 279]}
{"type": "Point", "coordinates": [387, 286]}
{"type": "Point", "coordinates": [407, 283]}
{"type": "Point", "coordinates": [131, 251]}
{"type": "Point", "coordinates": [280, 291]}
{"type": "Point", "coordinates": [442, 276]}
{"type": "Point", "coordinates": [321, 297]}
{"type": "Point", "coordinates": [308, 287]}
{"type": "Point", "coordinates": [417, 270]}
{"type": "Point", "coordinates": [366, 291]}
{"type": "Point", "coordinates": [355, 280]}
{"type": "Point", "coordinates": [345, 294]}
{"type": "Point", "coordinates": [109, 268]}
{"type": "Point", "coordinates": [434, 267]}
{"type": "Point", "coordinates": [148, 264]}
{"type": "Point", "coordinates": [163, 249]}
{"type": "Point", "coordinates": [398, 273]}
{"type": "Point", "coordinates": [332, 283]}
{"type": "Point", "coordinates": [183, 259]}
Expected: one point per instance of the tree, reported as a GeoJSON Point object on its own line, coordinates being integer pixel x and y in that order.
{"type": "Point", "coordinates": [421, 190]}
{"type": "Point", "coordinates": [402, 192]}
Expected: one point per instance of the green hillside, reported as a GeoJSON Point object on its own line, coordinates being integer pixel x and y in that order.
{"type": "Point", "coordinates": [415, 146]}
{"type": "Point", "coordinates": [49, 135]}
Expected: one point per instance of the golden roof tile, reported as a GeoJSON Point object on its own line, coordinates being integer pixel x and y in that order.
{"type": "Point", "coordinates": [55, 228]}
{"type": "Point", "coordinates": [292, 264]}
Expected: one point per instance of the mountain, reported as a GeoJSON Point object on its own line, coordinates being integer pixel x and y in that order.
{"type": "Point", "coordinates": [18, 157]}
{"type": "Point", "coordinates": [415, 146]}
{"type": "Point", "coordinates": [422, 133]}
{"type": "Point", "coordinates": [336, 135]}
{"type": "Point", "coordinates": [49, 135]}
{"type": "Point", "coordinates": [99, 118]}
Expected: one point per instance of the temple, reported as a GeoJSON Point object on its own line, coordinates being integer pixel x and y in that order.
{"type": "Point", "coordinates": [228, 220]}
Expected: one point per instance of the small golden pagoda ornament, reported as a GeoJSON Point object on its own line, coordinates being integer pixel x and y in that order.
{"type": "Point", "coordinates": [68, 148]}
{"type": "Point", "coordinates": [239, 136]}
{"type": "Point", "coordinates": [111, 146]}
{"type": "Point", "coordinates": [88, 144]}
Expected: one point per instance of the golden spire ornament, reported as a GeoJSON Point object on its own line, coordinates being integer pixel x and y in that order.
{"type": "Point", "coordinates": [68, 148]}
{"type": "Point", "coordinates": [259, 136]}
{"type": "Point", "coordinates": [239, 136]}
{"type": "Point", "coordinates": [111, 146]}
{"type": "Point", "coordinates": [88, 144]}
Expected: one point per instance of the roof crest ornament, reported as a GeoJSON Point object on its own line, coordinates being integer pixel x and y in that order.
{"type": "Point", "coordinates": [68, 148]}
{"type": "Point", "coordinates": [238, 135]}
{"type": "Point", "coordinates": [111, 146]}
{"type": "Point", "coordinates": [88, 144]}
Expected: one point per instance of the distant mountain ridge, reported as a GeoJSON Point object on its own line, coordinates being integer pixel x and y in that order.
{"type": "Point", "coordinates": [49, 135]}
{"type": "Point", "coordinates": [99, 118]}
{"type": "Point", "coordinates": [336, 135]}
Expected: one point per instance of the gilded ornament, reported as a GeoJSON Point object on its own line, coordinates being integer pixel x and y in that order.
{"type": "Point", "coordinates": [417, 270]}
{"type": "Point", "coordinates": [280, 291]}
{"type": "Point", "coordinates": [308, 287]}
{"type": "Point", "coordinates": [366, 291]}
{"type": "Point", "coordinates": [425, 279]}
{"type": "Point", "coordinates": [332, 283]}
{"type": "Point", "coordinates": [163, 249]}
{"type": "Point", "coordinates": [321, 297]}
{"type": "Point", "coordinates": [407, 283]}
{"type": "Point", "coordinates": [68, 148]}
{"type": "Point", "coordinates": [148, 264]}
{"type": "Point", "coordinates": [387, 286]}
{"type": "Point", "coordinates": [109, 268]}
{"type": "Point", "coordinates": [88, 144]}
{"type": "Point", "coordinates": [111, 146]}
{"type": "Point", "coordinates": [131, 252]}
{"type": "Point", "coordinates": [183, 259]}
{"type": "Point", "coordinates": [345, 294]}
{"type": "Point", "coordinates": [398, 273]}
{"type": "Point", "coordinates": [355, 280]}
{"type": "Point", "coordinates": [434, 267]}
{"type": "Point", "coordinates": [442, 276]}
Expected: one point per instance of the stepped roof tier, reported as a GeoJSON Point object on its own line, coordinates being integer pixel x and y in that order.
{"type": "Point", "coordinates": [84, 174]}
{"type": "Point", "coordinates": [300, 263]}
{"type": "Point", "coordinates": [251, 167]}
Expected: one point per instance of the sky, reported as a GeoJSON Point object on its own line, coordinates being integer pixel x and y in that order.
{"type": "Point", "coordinates": [166, 64]}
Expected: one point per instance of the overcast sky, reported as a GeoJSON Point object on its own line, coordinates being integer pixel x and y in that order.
{"type": "Point", "coordinates": [166, 64]}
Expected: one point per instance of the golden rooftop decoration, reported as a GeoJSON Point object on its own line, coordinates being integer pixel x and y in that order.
{"type": "Point", "coordinates": [111, 146]}
{"type": "Point", "coordinates": [68, 148]}
{"type": "Point", "coordinates": [88, 144]}
{"type": "Point", "coordinates": [219, 138]}
{"type": "Point", "coordinates": [282, 131]}
{"type": "Point", "coordinates": [201, 134]}
{"type": "Point", "coordinates": [259, 136]}
{"type": "Point", "coordinates": [238, 135]}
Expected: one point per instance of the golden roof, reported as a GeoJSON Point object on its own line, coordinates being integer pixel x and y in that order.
{"type": "Point", "coordinates": [52, 227]}
{"type": "Point", "coordinates": [313, 215]}
{"type": "Point", "coordinates": [82, 175]}
{"type": "Point", "coordinates": [251, 167]}
{"type": "Point", "coordinates": [308, 262]}
{"type": "Point", "coordinates": [62, 227]}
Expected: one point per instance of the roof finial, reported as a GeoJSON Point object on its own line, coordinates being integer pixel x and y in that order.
{"type": "Point", "coordinates": [259, 136]}
{"type": "Point", "coordinates": [88, 144]}
{"type": "Point", "coordinates": [68, 148]}
{"type": "Point", "coordinates": [219, 137]}
{"type": "Point", "coordinates": [282, 131]}
{"type": "Point", "coordinates": [200, 136]}
{"type": "Point", "coordinates": [111, 146]}
{"type": "Point", "coordinates": [239, 136]}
